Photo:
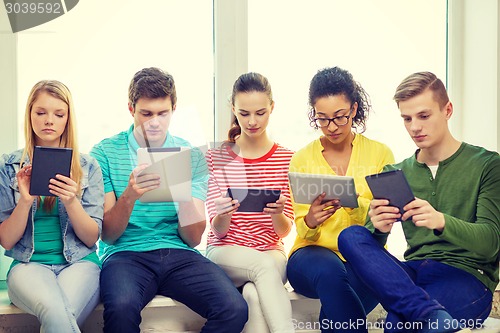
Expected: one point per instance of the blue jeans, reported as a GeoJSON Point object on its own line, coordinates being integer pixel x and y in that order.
{"type": "Point", "coordinates": [317, 272]}
{"type": "Point", "coordinates": [60, 296]}
{"type": "Point", "coordinates": [130, 280]}
{"type": "Point", "coordinates": [410, 290]}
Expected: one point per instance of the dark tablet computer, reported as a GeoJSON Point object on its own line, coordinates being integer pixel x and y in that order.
{"type": "Point", "coordinates": [393, 186]}
{"type": "Point", "coordinates": [253, 199]}
{"type": "Point", "coordinates": [47, 163]}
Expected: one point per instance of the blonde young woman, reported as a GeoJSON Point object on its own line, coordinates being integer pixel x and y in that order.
{"type": "Point", "coordinates": [248, 245]}
{"type": "Point", "coordinates": [55, 271]}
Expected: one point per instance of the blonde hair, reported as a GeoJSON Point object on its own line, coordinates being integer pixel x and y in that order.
{"type": "Point", "coordinates": [417, 83]}
{"type": "Point", "coordinates": [68, 138]}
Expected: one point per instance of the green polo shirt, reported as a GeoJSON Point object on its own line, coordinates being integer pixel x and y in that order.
{"type": "Point", "coordinates": [466, 190]}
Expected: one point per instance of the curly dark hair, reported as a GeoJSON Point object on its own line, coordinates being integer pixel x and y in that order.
{"type": "Point", "coordinates": [334, 81]}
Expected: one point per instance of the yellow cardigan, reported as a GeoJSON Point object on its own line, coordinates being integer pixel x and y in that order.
{"type": "Point", "coordinates": [367, 157]}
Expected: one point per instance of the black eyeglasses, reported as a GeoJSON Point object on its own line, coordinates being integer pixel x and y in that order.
{"type": "Point", "coordinates": [339, 121]}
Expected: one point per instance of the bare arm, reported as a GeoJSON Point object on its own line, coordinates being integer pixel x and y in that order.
{"type": "Point", "coordinates": [85, 226]}
{"type": "Point", "coordinates": [117, 212]}
{"type": "Point", "coordinates": [192, 221]}
{"type": "Point", "coordinates": [281, 223]}
{"type": "Point", "coordinates": [225, 207]}
{"type": "Point", "coordinates": [12, 229]}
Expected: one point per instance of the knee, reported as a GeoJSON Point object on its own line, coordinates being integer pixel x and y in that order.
{"type": "Point", "coordinates": [250, 294]}
{"type": "Point", "coordinates": [121, 306]}
{"type": "Point", "coordinates": [265, 266]}
{"type": "Point", "coordinates": [350, 238]}
{"type": "Point", "coordinates": [235, 313]}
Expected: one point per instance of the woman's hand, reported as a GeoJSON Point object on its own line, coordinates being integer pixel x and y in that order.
{"type": "Point", "coordinates": [226, 206]}
{"type": "Point", "coordinates": [23, 181]}
{"type": "Point", "coordinates": [63, 187]}
{"type": "Point", "coordinates": [320, 212]}
{"type": "Point", "coordinates": [276, 207]}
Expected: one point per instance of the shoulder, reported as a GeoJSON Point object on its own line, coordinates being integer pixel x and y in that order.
{"type": "Point", "coordinates": [480, 153]}
{"type": "Point", "coordinates": [12, 158]}
{"type": "Point", "coordinates": [180, 142]}
{"type": "Point", "coordinates": [88, 160]}
{"type": "Point", "coordinates": [113, 145]}
{"type": "Point", "coordinates": [406, 165]}
{"type": "Point", "coordinates": [308, 149]}
{"type": "Point", "coordinates": [113, 141]}
{"type": "Point", "coordinates": [372, 144]}
{"type": "Point", "coordinates": [283, 150]}
{"type": "Point", "coordinates": [481, 159]}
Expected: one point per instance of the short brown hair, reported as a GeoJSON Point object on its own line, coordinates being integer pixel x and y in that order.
{"type": "Point", "coordinates": [151, 83]}
{"type": "Point", "coordinates": [417, 83]}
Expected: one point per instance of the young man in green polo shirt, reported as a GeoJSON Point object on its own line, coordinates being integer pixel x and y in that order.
{"type": "Point", "coordinates": [452, 227]}
{"type": "Point", "coordinates": [147, 248]}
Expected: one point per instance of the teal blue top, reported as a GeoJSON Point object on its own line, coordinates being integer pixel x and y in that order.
{"type": "Point", "coordinates": [151, 226]}
{"type": "Point", "coordinates": [48, 242]}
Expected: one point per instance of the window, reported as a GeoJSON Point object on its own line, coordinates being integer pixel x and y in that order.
{"type": "Point", "coordinates": [96, 48]}
{"type": "Point", "coordinates": [379, 42]}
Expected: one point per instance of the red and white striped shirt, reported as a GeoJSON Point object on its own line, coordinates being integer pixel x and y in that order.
{"type": "Point", "coordinates": [270, 171]}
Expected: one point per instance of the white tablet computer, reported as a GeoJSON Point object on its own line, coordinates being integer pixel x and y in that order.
{"type": "Point", "coordinates": [173, 164]}
{"type": "Point", "coordinates": [306, 187]}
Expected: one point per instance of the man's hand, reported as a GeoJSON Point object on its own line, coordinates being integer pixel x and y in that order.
{"type": "Point", "coordinates": [424, 215]}
{"type": "Point", "coordinates": [140, 183]}
{"type": "Point", "coordinates": [382, 215]}
{"type": "Point", "coordinates": [320, 212]}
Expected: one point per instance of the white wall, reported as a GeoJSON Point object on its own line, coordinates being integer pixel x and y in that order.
{"type": "Point", "coordinates": [8, 86]}
{"type": "Point", "coordinates": [474, 72]}
{"type": "Point", "coordinates": [8, 102]}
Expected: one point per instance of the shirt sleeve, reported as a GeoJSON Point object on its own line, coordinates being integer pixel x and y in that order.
{"type": "Point", "coordinates": [384, 165]}
{"type": "Point", "coordinates": [199, 183]}
{"type": "Point", "coordinates": [93, 196]}
{"type": "Point", "coordinates": [7, 203]}
{"type": "Point", "coordinates": [482, 236]}
{"type": "Point", "coordinates": [99, 154]}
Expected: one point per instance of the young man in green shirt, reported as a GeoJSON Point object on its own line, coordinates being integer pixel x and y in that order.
{"type": "Point", "coordinates": [452, 227]}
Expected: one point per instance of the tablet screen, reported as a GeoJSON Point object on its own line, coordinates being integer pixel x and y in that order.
{"type": "Point", "coordinates": [253, 199]}
{"type": "Point", "coordinates": [393, 186]}
{"type": "Point", "coordinates": [47, 163]}
{"type": "Point", "coordinates": [306, 187]}
{"type": "Point", "coordinates": [173, 165]}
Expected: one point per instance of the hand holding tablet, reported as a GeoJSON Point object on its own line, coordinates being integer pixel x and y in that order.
{"type": "Point", "coordinates": [306, 187]}
{"type": "Point", "coordinates": [173, 166]}
{"type": "Point", "coordinates": [47, 163]}
{"type": "Point", "coordinates": [393, 186]}
{"type": "Point", "coordinates": [253, 199]}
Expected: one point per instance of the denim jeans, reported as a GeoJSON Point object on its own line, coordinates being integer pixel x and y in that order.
{"type": "Point", "coordinates": [410, 290]}
{"type": "Point", "coordinates": [317, 272]}
{"type": "Point", "coordinates": [129, 280]}
{"type": "Point", "coordinates": [60, 296]}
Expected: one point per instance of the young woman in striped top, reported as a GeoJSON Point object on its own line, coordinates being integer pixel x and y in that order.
{"type": "Point", "coordinates": [248, 246]}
